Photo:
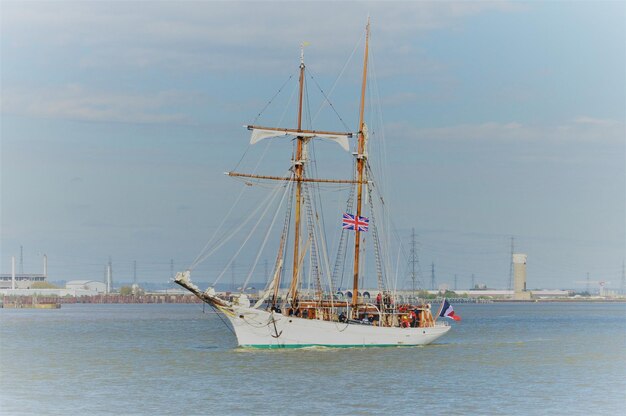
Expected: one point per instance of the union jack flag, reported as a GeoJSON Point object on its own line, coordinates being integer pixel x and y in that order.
{"type": "Point", "coordinates": [350, 223]}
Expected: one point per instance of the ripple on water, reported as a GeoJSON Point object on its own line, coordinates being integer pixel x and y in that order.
{"type": "Point", "coordinates": [172, 359]}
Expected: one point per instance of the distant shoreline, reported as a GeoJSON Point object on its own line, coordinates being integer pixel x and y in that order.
{"type": "Point", "coordinates": [577, 300]}
{"type": "Point", "coordinates": [160, 298]}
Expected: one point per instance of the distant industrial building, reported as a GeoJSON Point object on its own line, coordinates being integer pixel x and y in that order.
{"type": "Point", "coordinates": [23, 280]}
{"type": "Point", "coordinates": [510, 294]}
{"type": "Point", "coordinates": [73, 288]}
{"type": "Point", "coordinates": [87, 285]}
{"type": "Point", "coordinates": [24, 284]}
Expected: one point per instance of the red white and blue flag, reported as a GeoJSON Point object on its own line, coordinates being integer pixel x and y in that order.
{"type": "Point", "coordinates": [447, 311]}
{"type": "Point", "coordinates": [350, 223]}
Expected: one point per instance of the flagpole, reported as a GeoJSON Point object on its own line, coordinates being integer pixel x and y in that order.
{"type": "Point", "coordinates": [440, 309]}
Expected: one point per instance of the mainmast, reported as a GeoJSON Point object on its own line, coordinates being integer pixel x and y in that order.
{"type": "Point", "coordinates": [360, 162]}
{"type": "Point", "coordinates": [298, 165]}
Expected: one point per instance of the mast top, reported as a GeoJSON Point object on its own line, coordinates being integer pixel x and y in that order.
{"type": "Point", "coordinates": [302, 45]}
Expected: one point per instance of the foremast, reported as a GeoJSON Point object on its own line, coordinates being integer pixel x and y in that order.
{"type": "Point", "coordinates": [298, 175]}
{"type": "Point", "coordinates": [360, 164]}
{"type": "Point", "coordinates": [298, 170]}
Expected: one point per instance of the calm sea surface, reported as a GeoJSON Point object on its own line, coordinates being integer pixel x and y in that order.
{"type": "Point", "coordinates": [511, 359]}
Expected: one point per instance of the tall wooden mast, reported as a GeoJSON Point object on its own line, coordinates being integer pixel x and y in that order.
{"type": "Point", "coordinates": [360, 162]}
{"type": "Point", "coordinates": [298, 176]}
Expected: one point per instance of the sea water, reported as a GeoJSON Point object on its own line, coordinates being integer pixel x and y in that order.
{"type": "Point", "coordinates": [504, 358]}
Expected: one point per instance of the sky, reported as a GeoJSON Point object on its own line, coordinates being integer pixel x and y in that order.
{"type": "Point", "coordinates": [497, 120]}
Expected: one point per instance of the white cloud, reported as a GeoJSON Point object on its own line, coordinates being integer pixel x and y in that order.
{"type": "Point", "coordinates": [107, 39]}
{"type": "Point", "coordinates": [580, 129]}
{"type": "Point", "coordinates": [77, 102]}
{"type": "Point", "coordinates": [259, 36]}
{"type": "Point", "coordinates": [596, 121]}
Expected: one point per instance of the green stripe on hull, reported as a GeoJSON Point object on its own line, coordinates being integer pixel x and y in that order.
{"type": "Point", "coordinates": [291, 346]}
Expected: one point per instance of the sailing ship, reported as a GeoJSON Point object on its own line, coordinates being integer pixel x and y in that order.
{"type": "Point", "coordinates": [294, 317]}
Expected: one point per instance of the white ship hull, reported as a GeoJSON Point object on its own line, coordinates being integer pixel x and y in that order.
{"type": "Point", "coordinates": [261, 329]}
{"type": "Point", "coordinates": [257, 328]}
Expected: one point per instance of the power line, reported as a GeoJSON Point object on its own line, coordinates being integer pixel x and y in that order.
{"type": "Point", "coordinates": [414, 261]}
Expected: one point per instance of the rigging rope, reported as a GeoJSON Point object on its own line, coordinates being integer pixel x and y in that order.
{"type": "Point", "coordinates": [226, 237]}
{"type": "Point", "coordinates": [273, 195]}
{"type": "Point", "coordinates": [272, 99]}
{"type": "Point", "coordinates": [391, 226]}
{"type": "Point", "coordinates": [340, 260]}
{"type": "Point", "coordinates": [203, 255]}
{"type": "Point", "coordinates": [328, 100]}
{"type": "Point", "coordinates": [319, 219]}
{"type": "Point", "coordinates": [307, 107]}
{"type": "Point", "coordinates": [198, 259]}
{"type": "Point", "coordinates": [219, 315]}
{"type": "Point", "coordinates": [267, 234]}
{"type": "Point", "coordinates": [382, 159]}
{"type": "Point", "coordinates": [313, 253]}
{"type": "Point", "coordinates": [379, 266]}
{"type": "Point", "coordinates": [340, 75]}
{"type": "Point", "coordinates": [283, 244]}
{"type": "Point", "coordinates": [259, 115]}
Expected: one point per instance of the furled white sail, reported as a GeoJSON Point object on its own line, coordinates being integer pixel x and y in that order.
{"type": "Point", "coordinates": [261, 133]}
{"type": "Point", "coordinates": [270, 288]}
{"type": "Point", "coordinates": [365, 139]}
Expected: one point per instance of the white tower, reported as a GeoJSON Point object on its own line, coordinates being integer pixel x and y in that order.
{"type": "Point", "coordinates": [519, 277]}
